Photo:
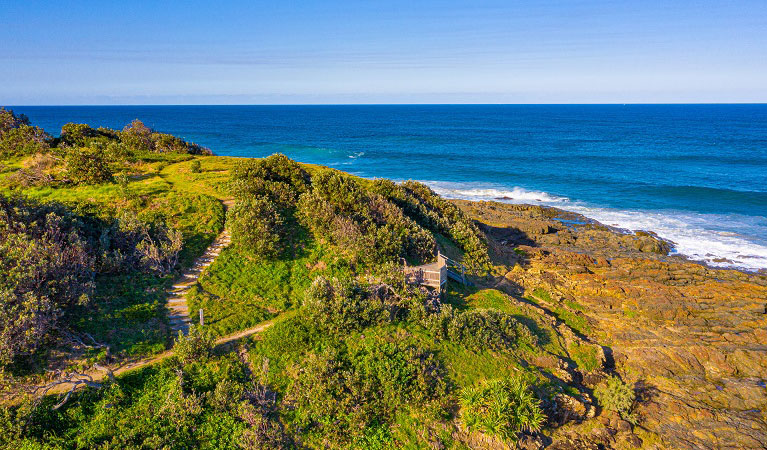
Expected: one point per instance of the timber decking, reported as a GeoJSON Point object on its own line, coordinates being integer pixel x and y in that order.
{"type": "Point", "coordinates": [435, 274]}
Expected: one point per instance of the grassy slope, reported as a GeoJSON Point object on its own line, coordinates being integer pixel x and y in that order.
{"type": "Point", "coordinates": [128, 312]}
{"type": "Point", "coordinates": [237, 293]}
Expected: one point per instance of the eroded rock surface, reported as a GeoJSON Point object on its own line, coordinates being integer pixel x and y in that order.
{"type": "Point", "coordinates": [691, 339]}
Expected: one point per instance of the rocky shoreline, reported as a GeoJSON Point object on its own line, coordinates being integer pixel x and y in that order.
{"type": "Point", "coordinates": [691, 339]}
{"type": "Point", "coordinates": [572, 218]}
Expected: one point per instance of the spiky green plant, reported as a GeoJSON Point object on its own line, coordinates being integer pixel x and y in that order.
{"type": "Point", "coordinates": [501, 408]}
{"type": "Point", "coordinates": [617, 396]}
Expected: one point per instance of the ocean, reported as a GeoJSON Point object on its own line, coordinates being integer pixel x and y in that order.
{"type": "Point", "coordinates": [694, 174]}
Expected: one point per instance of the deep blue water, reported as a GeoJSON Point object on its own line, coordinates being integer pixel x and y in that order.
{"type": "Point", "coordinates": [696, 174]}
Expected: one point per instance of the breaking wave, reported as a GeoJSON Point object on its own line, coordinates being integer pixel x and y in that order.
{"type": "Point", "coordinates": [720, 240]}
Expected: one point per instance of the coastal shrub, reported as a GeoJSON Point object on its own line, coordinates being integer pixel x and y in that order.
{"type": "Point", "coordinates": [137, 136]}
{"type": "Point", "coordinates": [47, 266]}
{"type": "Point", "coordinates": [140, 138]}
{"type": "Point", "coordinates": [9, 120]}
{"type": "Point", "coordinates": [433, 212]}
{"type": "Point", "coordinates": [160, 406]}
{"type": "Point", "coordinates": [18, 138]}
{"type": "Point", "coordinates": [195, 166]}
{"type": "Point", "coordinates": [133, 244]}
{"type": "Point", "coordinates": [77, 134]}
{"type": "Point", "coordinates": [167, 143]}
{"type": "Point", "coordinates": [87, 166]}
{"type": "Point", "coordinates": [196, 346]}
{"type": "Point", "coordinates": [275, 168]}
{"type": "Point", "coordinates": [256, 227]}
{"type": "Point", "coordinates": [23, 140]}
{"type": "Point", "coordinates": [615, 395]}
{"type": "Point", "coordinates": [341, 391]}
{"type": "Point", "coordinates": [481, 329]}
{"type": "Point", "coordinates": [36, 171]}
{"type": "Point", "coordinates": [501, 408]}
{"type": "Point", "coordinates": [160, 250]}
{"type": "Point", "coordinates": [363, 224]}
{"type": "Point", "coordinates": [277, 177]}
{"type": "Point", "coordinates": [343, 306]}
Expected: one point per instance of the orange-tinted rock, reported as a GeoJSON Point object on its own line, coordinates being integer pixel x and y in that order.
{"type": "Point", "coordinates": [693, 339]}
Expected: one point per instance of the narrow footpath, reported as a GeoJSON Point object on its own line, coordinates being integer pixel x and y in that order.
{"type": "Point", "coordinates": [179, 311]}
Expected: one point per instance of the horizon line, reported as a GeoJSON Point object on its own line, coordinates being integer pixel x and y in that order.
{"type": "Point", "coordinates": [385, 104]}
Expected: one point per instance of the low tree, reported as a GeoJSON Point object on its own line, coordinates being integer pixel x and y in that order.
{"type": "Point", "coordinates": [137, 136]}
{"type": "Point", "coordinates": [23, 140]}
{"type": "Point", "coordinates": [87, 166]}
{"type": "Point", "coordinates": [76, 134]}
{"type": "Point", "coordinates": [46, 267]}
{"type": "Point", "coordinates": [256, 227]}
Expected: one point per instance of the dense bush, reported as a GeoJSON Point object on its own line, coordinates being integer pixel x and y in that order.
{"type": "Point", "coordinates": [256, 227]}
{"type": "Point", "coordinates": [195, 346]}
{"type": "Point", "coordinates": [139, 138]}
{"type": "Point", "coordinates": [437, 214]}
{"type": "Point", "coordinates": [87, 166]}
{"type": "Point", "coordinates": [276, 177]}
{"type": "Point", "coordinates": [77, 134]}
{"type": "Point", "coordinates": [483, 329]}
{"type": "Point", "coordinates": [501, 408]}
{"type": "Point", "coordinates": [132, 244]}
{"type": "Point", "coordinates": [23, 140]}
{"type": "Point", "coordinates": [339, 392]}
{"type": "Point", "coordinates": [615, 395]}
{"type": "Point", "coordinates": [18, 138]}
{"type": "Point", "coordinates": [262, 219]}
{"type": "Point", "coordinates": [341, 306]}
{"type": "Point", "coordinates": [45, 266]}
{"type": "Point", "coordinates": [363, 224]}
{"type": "Point", "coordinates": [9, 120]}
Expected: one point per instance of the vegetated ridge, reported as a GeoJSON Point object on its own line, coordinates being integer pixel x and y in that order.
{"type": "Point", "coordinates": [571, 335]}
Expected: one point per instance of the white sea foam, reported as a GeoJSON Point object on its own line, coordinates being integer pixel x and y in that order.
{"type": "Point", "coordinates": [720, 240]}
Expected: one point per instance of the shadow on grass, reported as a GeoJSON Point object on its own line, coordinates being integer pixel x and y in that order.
{"type": "Point", "coordinates": [127, 313]}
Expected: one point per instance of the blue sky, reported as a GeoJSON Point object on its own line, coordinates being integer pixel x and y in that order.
{"type": "Point", "coordinates": [416, 51]}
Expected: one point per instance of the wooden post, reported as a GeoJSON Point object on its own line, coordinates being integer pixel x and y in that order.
{"type": "Point", "coordinates": [202, 319]}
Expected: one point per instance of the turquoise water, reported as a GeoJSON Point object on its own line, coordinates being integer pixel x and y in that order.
{"type": "Point", "coordinates": [695, 174]}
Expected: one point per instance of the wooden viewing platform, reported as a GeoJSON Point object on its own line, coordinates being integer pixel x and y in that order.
{"type": "Point", "coordinates": [434, 275]}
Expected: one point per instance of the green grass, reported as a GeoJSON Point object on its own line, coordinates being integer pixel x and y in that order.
{"type": "Point", "coordinates": [564, 311]}
{"type": "Point", "coordinates": [212, 179]}
{"type": "Point", "coordinates": [466, 367]}
{"type": "Point", "coordinates": [542, 294]}
{"type": "Point", "coordinates": [224, 316]}
{"type": "Point", "coordinates": [577, 322]}
{"type": "Point", "coordinates": [128, 314]}
{"type": "Point", "coordinates": [491, 298]}
{"type": "Point", "coordinates": [585, 356]}
{"type": "Point", "coordinates": [237, 292]}
{"type": "Point", "coordinates": [574, 305]}
{"type": "Point", "coordinates": [630, 313]}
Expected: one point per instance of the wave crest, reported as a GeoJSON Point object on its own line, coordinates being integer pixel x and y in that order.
{"type": "Point", "coordinates": [720, 240]}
